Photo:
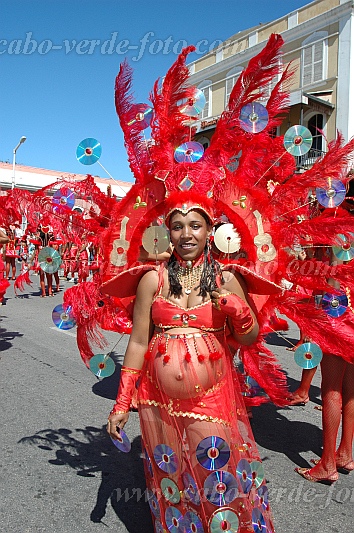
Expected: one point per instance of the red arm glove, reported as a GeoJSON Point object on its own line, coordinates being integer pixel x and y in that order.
{"type": "Point", "coordinates": [239, 312]}
{"type": "Point", "coordinates": [127, 387]}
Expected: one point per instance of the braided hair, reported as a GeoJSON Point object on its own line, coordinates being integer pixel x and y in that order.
{"type": "Point", "coordinates": [211, 269]}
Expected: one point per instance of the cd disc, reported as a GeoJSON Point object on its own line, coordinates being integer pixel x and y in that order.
{"type": "Point", "coordinates": [333, 195]}
{"type": "Point", "coordinates": [49, 260]}
{"type": "Point", "coordinates": [190, 488]}
{"type": "Point", "coordinates": [156, 240]}
{"type": "Point", "coordinates": [192, 523]}
{"type": "Point", "coordinates": [262, 497]}
{"type": "Point", "coordinates": [334, 305]}
{"type": "Point", "coordinates": [89, 151]}
{"type": "Point", "coordinates": [174, 520]}
{"type": "Point", "coordinates": [252, 388]}
{"type": "Point", "coordinates": [102, 365]}
{"type": "Point", "coordinates": [140, 116]}
{"type": "Point", "coordinates": [213, 453]}
{"type": "Point", "coordinates": [224, 521]}
{"type": "Point", "coordinates": [122, 442]}
{"type": "Point", "coordinates": [258, 522]}
{"type": "Point", "coordinates": [63, 200]}
{"type": "Point", "coordinates": [189, 152]}
{"type": "Point", "coordinates": [297, 140]}
{"type": "Point", "coordinates": [170, 490]}
{"type": "Point", "coordinates": [63, 318]}
{"type": "Point", "coordinates": [166, 458]}
{"type": "Point", "coordinates": [159, 527]}
{"type": "Point", "coordinates": [308, 355]}
{"type": "Point", "coordinates": [244, 475]}
{"type": "Point", "coordinates": [345, 248]}
{"type": "Point", "coordinates": [153, 503]}
{"type": "Point", "coordinates": [194, 105]}
{"type": "Point", "coordinates": [220, 488]}
{"type": "Point", "coordinates": [253, 117]}
{"type": "Point", "coordinates": [257, 473]}
{"type": "Point", "coordinates": [227, 239]}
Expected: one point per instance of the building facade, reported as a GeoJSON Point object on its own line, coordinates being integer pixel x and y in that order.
{"type": "Point", "coordinates": [319, 44]}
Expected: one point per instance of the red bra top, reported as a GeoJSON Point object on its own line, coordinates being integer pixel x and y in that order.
{"type": "Point", "coordinates": [168, 315]}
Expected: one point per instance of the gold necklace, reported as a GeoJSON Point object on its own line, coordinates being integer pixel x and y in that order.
{"type": "Point", "coordinates": [188, 276]}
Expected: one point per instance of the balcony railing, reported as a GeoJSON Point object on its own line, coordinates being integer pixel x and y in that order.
{"type": "Point", "coordinates": [309, 159]}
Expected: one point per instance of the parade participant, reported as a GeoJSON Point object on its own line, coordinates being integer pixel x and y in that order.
{"type": "Point", "coordinates": [10, 253]}
{"type": "Point", "coordinates": [188, 395]}
{"type": "Point", "coordinates": [4, 284]}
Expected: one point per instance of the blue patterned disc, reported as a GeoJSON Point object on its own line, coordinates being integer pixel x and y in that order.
{"type": "Point", "coordinates": [174, 520]}
{"type": "Point", "coordinates": [244, 475]}
{"type": "Point", "coordinates": [213, 453]}
{"type": "Point", "coordinates": [154, 504]}
{"type": "Point", "coordinates": [220, 488]}
{"type": "Point", "coordinates": [166, 458]}
{"type": "Point", "coordinates": [258, 522]}
{"type": "Point", "coordinates": [190, 488]}
{"type": "Point", "coordinates": [192, 523]}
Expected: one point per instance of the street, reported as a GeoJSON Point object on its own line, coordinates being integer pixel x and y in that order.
{"type": "Point", "coordinates": [60, 472]}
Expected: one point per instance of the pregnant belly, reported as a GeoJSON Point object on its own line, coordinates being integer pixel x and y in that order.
{"type": "Point", "coordinates": [186, 374]}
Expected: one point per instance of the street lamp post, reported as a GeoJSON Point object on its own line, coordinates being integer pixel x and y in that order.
{"type": "Point", "coordinates": [22, 140]}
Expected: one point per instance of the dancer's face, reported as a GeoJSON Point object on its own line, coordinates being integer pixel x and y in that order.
{"type": "Point", "coordinates": [189, 234]}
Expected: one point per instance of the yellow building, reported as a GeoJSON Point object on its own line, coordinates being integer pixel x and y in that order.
{"type": "Point", "coordinates": [319, 43]}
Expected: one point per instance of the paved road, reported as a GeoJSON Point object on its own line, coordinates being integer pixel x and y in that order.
{"type": "Point", "coordinates": [61, 474]}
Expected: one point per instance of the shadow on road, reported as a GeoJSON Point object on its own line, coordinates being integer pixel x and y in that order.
{"type": "Point", "coordinates": [90, 452]}
{"type": "Point", "coordinates": [272, 430]}
{"type": "Point", "coordinates": [6, 337]}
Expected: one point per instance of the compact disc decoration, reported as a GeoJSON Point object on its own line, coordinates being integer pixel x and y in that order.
{"type": "Point", "coordinates": [122, 442]}
{"type": "Point", "coordinates": [63, 317]}
{"type": "Point", "coordinates": [344, 250]}
{"type": "Point", "coordinates": [258, 522]}
{"type": "Point", "coordinates": [297, 140]}
{"type": "Point", "coordinates": [213, 453]}
{"type": "Point", "coordinates": [257, 473]}
{"type": "Point", "coordinates": [170, 490]}
{"type": "Point", "coordinates": [253, 117]}
{"type": "Point", "coordinates": [174, 520]}
{"type": "Point", "coordinates": [189, 152]}
{"type": "Point", "coordinates": [194, 105]}
{"type": "Point", "coordinates": [156, 240]}
{"type": "Point", "coordinates": [102, 365]}
{"type": "Point", "coordinates": [166, 458]}
{"type": "Point", "coordinates": [190, 488]}
{"type": "Point", "coordinates": [335, 305]}
{"type": "Point", "coordinates": [153, 504]}
{"type": "Point", "coordinates": [308, 355]}
{"type": "Point", "coordinates": [333, 195]}
{"type": "Point", "coordinates": [244, 475]}
{"type": "Point", "coordinates": [220, 488]}
{"type": "Point", "coordinates": [224, 521]}
{"type": "Point", "coordinates": [227, 239]}
{"type": "Point", "coordinates": [49, 260]}
{"type": "Point", "coordinates": [63, 200]}
{"type": "Point", "coordinates": [251, 388]}
{"type": "Point", "coordinates": [192, 523]}
{"type": "Point", "coordinates": [262, 497]}
{"type": "Point", "coordinates": [140, 116]}
{"type": "Point", "coordinates": [89, 151]}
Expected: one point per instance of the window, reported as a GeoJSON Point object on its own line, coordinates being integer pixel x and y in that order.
{"type": "Point", "coordinates": [314, 124]}
{"type": "Point", "coordinates": [231, 78]}
{"type": "Point", "coordinates": [205, 87]}
{"type": "Point", "coordinates": [314, 58]}
{"type": "Point", "coordinates": [204, 141]}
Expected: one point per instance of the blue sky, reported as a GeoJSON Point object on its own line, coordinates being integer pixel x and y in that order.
{"type": "Point", "coordinates": [59, 59]}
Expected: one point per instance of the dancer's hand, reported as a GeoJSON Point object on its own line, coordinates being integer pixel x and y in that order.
{"type": "Point", "coordinates": [115, 423]}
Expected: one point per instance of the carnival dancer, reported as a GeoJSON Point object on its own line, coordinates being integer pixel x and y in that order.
{"type": "Point", "coordinates": [190, 404]}
{"type": "Point", "coordinates": [4, 284]}
{"type": "Point", "coordinates": [11, 253]}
